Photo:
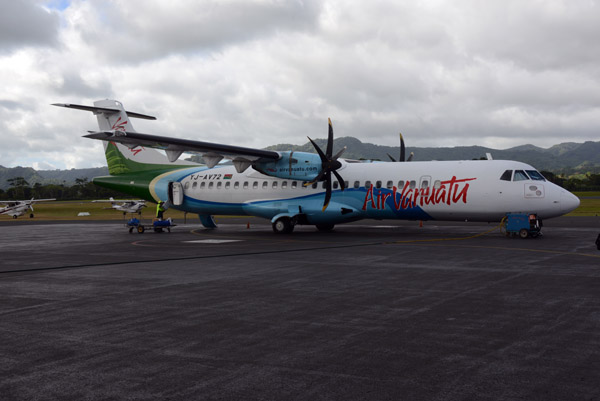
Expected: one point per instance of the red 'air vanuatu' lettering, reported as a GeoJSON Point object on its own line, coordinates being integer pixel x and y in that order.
{"type": "Point", "coordinates": [449, 192]}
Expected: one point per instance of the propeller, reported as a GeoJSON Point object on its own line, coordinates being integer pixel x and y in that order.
{"type": "Point", "coordinates": [329, 165]}
{"type": "Point", "coordinates": [402, 152]}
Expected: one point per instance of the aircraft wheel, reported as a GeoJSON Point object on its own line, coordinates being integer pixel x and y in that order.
{"type": "Point", "coordinates": [130, 230]}
{"type": "Point", "coordinates": [31, 216]}
{"type": "Point", "coordinates": [523, 233]}
{"type": "Point", "coordinates": [283, 225]}
{"type": "Point", "coordinates": [140, 229]}
{"type": "Point", "coordinates": [325, 227]}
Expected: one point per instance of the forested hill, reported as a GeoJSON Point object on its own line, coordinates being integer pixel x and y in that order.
{"type": "Point", "coordinates": [45, 177]}
{"type": "Point", "coordinates": [566, 158]}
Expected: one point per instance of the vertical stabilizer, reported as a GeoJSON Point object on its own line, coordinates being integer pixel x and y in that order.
{"type": "Point", "coordinates": [112, 116]}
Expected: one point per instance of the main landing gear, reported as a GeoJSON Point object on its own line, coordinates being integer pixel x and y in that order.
{"type": "Point", "coordinates": [285, 225]}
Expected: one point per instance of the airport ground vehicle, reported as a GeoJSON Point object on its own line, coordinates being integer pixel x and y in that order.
{"type": "Point", "coordinates": [522, 224]}
{"type": "Point", "coordinates": [157, 225]}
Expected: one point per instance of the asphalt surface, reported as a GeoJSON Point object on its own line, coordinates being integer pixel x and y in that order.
{"type": "Point", "coordinates": [370, 311]}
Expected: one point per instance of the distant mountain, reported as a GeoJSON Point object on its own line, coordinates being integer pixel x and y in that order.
{"type": "Point", "coordinates": [565, 158]}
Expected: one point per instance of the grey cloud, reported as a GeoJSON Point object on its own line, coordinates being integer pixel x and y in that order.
{"type": "Point", "coordinates": [26, 23]}
{"type": "Point", "coordinates": [160, 28]}
{"type": "Point", "coordinates": [74, 85]}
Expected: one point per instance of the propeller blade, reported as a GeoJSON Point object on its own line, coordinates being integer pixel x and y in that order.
{"type": "Point", "coordinates": [340, 179]}
{"type": "Point", "coordinates": [329, 151]}
{"type": "Point", "coordinates": [410, 157]}
{"type": "Point", "coordinates": [327, 190]}
{"type": "Point", "coordinates": [402, 149]}
{"type": "Point", "coordinates": [318, 149]}
{"type": "Point", "coordinates": [338, 154]}
{"type": "Point", "coordinates": [391, 158]}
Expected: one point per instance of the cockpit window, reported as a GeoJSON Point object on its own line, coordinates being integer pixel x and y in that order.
{"type": "Point", "coordinates": [520, 176]}
{"type": "Point", "coordinates": [535, 175]}
{"type": "Point", "coordinates": [506, 176]}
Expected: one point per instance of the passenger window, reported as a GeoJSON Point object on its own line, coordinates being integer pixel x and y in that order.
{"type": "Point", "coordinates": [520, 176]}
{"type": "Point", "coordinates": [314, 185]}
{"type": "Point", "coordinates": [294, 184]}
{"type": "Point", "coordinates": [424, 184]}
{"type": "Point", "coordinates": [323, 185]}
{"type": "Point", "coordinates": [236, 185]}
{"type": "Point", "coordinates": [227, 184]}
{"type": "Point", "coordinates": [377, 184]}
{"type": "Point", "coordinates": [187, 185]}
{"type": "Point", "coordinates": [265, 185]}
{"type": "Point", "coordinates": [219, 184]}
{"type": "Point", "coordinates": [346, 184]}
{"type": "Point", "coordinates": [195, 184]}
{"type": "Point", "coordinates": [202, 184]}
{"type": "Point", "coordinates": [390, 184]}
{"type": "Point", "coordinates": [413, 184]}
{"type": "Point", "coordinates": [506, 176]}
{"type": "Point", "coordinates": [335, 185]}
{"type": "Point", "coordinates": [437, 184]}
{"type": "Point", "coordinates": [356, 184]}
{"type": "Point", "coordinates": [274, 186]}
{"type": "Point", "coordinates": [284, 185]}
{"type": "Point", "coordinates": [255, 185]}
{"type": "Point", "coordinates": [245, 184]}
{"type": "Point", "coordinates": [535, 175]}
{"type": "Point", "coordinates": [401, 184]}
{"type": "Point", "coordinates": [211, 184]}
{"type": "Point", "coordinates": [367, 184]}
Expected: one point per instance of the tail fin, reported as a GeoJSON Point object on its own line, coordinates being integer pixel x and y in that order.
{"type": "Point", "coordinates": [111, 116]}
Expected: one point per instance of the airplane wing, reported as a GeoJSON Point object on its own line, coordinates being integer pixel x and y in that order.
{"type": "Point", "coordinates": [125, 201]}
{"type": "Point", "coordinates": [212, 153]}
{"type": "Point", "coordinates": [41, 200]}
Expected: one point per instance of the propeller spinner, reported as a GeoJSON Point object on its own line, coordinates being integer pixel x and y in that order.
{"type": "Point", "coordinates": [329, 165]}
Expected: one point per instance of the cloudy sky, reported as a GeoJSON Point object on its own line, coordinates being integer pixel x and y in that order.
{"type": "Point", "coordinates": [255, 73]}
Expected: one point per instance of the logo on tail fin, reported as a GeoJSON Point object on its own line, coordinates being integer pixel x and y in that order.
{"type": "Point", "coordinates": [119, 125]}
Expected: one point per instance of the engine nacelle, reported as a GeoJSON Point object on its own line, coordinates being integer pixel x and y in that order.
{"type": "Point", "coordinates": [304, 166]}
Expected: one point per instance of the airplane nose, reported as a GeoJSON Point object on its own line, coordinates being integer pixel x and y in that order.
{"type": "Point", "coordinates": [568, 202]}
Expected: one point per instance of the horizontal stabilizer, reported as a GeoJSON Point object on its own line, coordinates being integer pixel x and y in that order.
{"type": "Point", "coordinates": [106, 110]}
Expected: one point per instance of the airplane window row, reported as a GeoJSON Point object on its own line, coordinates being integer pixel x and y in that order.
{"type": "Point", "coordinates": [522, 175]}
{"type": "Point", "coordinates": [295, 184]}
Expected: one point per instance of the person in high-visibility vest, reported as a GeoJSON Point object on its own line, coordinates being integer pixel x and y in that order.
{"type": "Point", "coordinates": [160, 210]}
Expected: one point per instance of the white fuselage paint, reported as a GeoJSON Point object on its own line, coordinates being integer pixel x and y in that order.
{"type": "Point", "coordinates": [466, 190]}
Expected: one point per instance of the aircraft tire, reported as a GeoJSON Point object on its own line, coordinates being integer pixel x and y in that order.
{"type": "Point", "coordinates": [140, 229]}
{"type": "Point", "coordinates": [325, 227]}
{"type": "Point", "coordinates": [130, 230]}
{"type": "Point", "coordinates": [14, 216]}
{"type": "Point", "coordinates": [523, 233]}
{"type": "Point", "coordinates": [31, 216]}
{"type": "Point", "coordinates": [283, 225]}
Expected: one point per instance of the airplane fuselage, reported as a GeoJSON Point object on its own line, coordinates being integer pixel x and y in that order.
{"type": "Point", "coordinates": [438, 190]}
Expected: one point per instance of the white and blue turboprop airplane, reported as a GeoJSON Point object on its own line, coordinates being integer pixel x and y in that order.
{"type": "Point", "coordinates": [19, 207]}
{"type": "Point", "coordinates": [124, 205]}
{"type": "Point", "coordinates": [322, 189]}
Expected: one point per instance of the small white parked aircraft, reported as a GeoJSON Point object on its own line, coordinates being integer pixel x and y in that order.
{"type": "Point", "coordinates": [291, 188]}
{"type": "Point", "coordinates": [20, 207]}
{"type": "Point", "coordinates": [125, 205]}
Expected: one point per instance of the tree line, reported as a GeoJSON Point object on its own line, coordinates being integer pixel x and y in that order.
{"type": "Point", "coordinates": [84, 189]}
{"type": "Point", "coordinates": [20, 189]}
{"type": "Point", "coordinates": [589, 182]}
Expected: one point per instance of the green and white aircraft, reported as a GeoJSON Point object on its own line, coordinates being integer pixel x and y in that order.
{"type": "Point", "coordinates": [321, 189]}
